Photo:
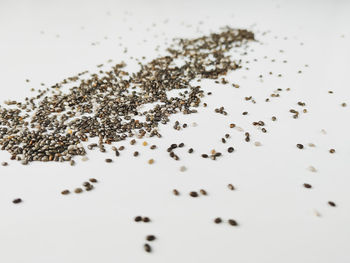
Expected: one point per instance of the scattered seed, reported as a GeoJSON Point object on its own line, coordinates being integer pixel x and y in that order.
{"type": "Point", "coordinates": [138, 219]}
{"type": "Point", "coordinates": [4, 164]}
{"type": "Point", "coordinates": [65, 192]}
{"type": "Point", "coordinates": [203, 192]}
{"type": "Point", "coordinates": [17, 201]}
{"type": "Point", "coordinates": [332, 151]}
{"type": "Point", "coordinates": [307, 185]}
{"type": "Point", "coordinates": [93, 180]}
{"type": "Point", "coordinates": [217, 220]}
{"type": "Point", "coordinates": [147, 248]}
{"type": "Point", "coordinates": [153, 147]}
{"type": "Point", "coordinates": [136, 153]}
{"type": "Point", "coordinates": [146, 219]}
{"type": "Point", "coordinates": [109, 160]}
{"type": "Point", "coordinates": [181, 145]}
{"type": "Point", "coordinates": [312, 169]}
{"type": "Point", "coordinates": [78, 190]}
{"type": "Point", "coordinates": [150, 238]}
{"type": "Point", "coordinates": [176, 192]}
{"type": "Point", "coordinates": [194, 194]}
{"type": "Point", "coordinates": [231, 187]}
{"type": "Point", "coordinates": [331, 203]}
{"type": "Point", "coordinates": [190, 150]}
{"type": "Point", "coordinates": [145, 143]}
{"type": "Point", "coordinates": [257, 143]}
{"type": "Point", "coordinates": [205, 155]}
{"type": "Point", "coordinates": [150, 161]}
{"type": "Point", "coordinates": [230, 149]}
{"type": "Point", "coordinates": [232, 222]}
{"type": "Point", "coordinates": [300, 146]}
{"type": "Point", "coordinates": [183, 169]}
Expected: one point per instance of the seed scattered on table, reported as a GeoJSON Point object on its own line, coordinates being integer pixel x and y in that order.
{"type": "Point", "coordinates": [217, 220]}
{"type": "Point", "coordinates": [194, 194]}
{"type": "Point", "coordinates": [300, 146]}
{"type": "Point", "coordinates": [78, 190]}
{"type": "Point", "coordinates": [183, 169]}
{"type": "Point", "coordinates": [231, 187]}
{"type": "Point", "coordinates": [138, 219]}
{"type": "Point", "coordinates": [150, 238]}
{"type": "Point", "coordinates": [176, 192]}
{"type": "Point", "coordinates": [331, 203]}
{"type": "Point", "coordinates": [307, 186]}
{"type": "Point", "coordinates": [203, 192]}
{"type": "Point", "coordinates": [232, 222]}
{"type": "Point", "coordinates": [150, 161]}
{"type": "Point", "coordinates": [109, 160]}
{"type": "Point", "coordinates": [65, 192]}
{"type": "Point", "coordinates": [17, 201]}
{"type": "Point", "coordinates": [147, 248]}
{"type": "Point", "coordinates": [93, 180]}
{"type": "Point", "coordinates": [146, 219]}
{"type": "Point", "coordinates": [230, 149]}
{"type": "Point", "coordinates": [332, 151]}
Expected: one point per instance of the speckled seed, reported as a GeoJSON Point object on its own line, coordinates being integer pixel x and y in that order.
{"type": "Point", "coordinates": [300, 146]}
{"type": "Point", "coordinates": [109, 160]}
{"type": "Point", "coordinates": [78, 190]}
{"type": "Point", "coordinates": [176, 192]}
{"type": "Point", "coordinates": [93, 180]}
{"type": "Point", "coordinates": [65, 192]}
{"type": "Point", "coordinates": [332, 151]}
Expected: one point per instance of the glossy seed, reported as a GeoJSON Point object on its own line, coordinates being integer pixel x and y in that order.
{"type": "Point", "coordinates": [230, 149]}
{"type": "Point", "coordinates": [232, 222]}
{"type": "Point", "coordinates": [217, 220]}
{"type": "Point", "coordinates": [93, 180]}
{"type": "Point", "coordinates": [194, 194]}
{"type": "Point", "coordinates": [147, 248]}
{"type": "Point", "coordinates": [331, 203]}
{"type": "Point", "coordinates": [146, 219]}
{"type": "Point", "coordinates": [190, 150]}
{"type": "Point", "coordinates": [307, 186]}
{"type": "Point", "coordinates": [150, 238]}
{"type": "Point", "coordinates": [300, 146]}
{"type": "Point", "coordinates": [138, 219]}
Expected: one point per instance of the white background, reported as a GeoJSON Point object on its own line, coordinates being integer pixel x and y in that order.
{"type": "Point", "coordinates": [47, 41]}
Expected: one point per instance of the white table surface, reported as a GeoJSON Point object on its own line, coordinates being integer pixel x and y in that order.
{"type": "Point", "coordinates": [47, 41]}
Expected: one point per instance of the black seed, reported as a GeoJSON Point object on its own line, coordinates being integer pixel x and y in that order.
{"type": "Point", "coordinates": [153, 147]}
{"type": "Point", "coordinates": [136, 153]}
{"type": "Point", "coordinates": [17, 201]}
{"type": "Point", "coordinates": [109, 160]}
{"type": "Point", "coordinates": [117, 153]}
{"type": "Point", "coordinates": [146, 219]}
{"type": "Point", "coordinates": [223, 140]}
{"type": "Point", "coordinates": [181, 145]}
{"type": "Point", "coordinates": [300, 146]}
{"type": "Point", "coordinates": [231, 187]}
{"type": "Point", "coordinates": [205, 155]}
{"type": "Point", "coordinates": [173, 146]}
{"type": "Point", "coordinates": [190, 150]}
{"type": "Point", "coordinates": [332, 203]}
{"type": "Point", "coordinates": [138, 219]}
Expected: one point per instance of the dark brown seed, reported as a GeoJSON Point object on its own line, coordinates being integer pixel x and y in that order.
{"type": "Point", "coordinates": [190, 150]}
{"type": "Point", "coordinates": [307, 185]}
{"type": "Point", "coordinates": [153, 147]}
{"type": "Point", "coordinates": [203, 192]}
{"type": "Point", "coordinates": [245, 113]}
{"type": "Point", "coordinates": [173, 146]}
{"type": "Point", "coordinates": [217, 220]}
{"type": "Point", "coordinates": [227, 135]}
{"type": "Point", "coordinates": [300, 146]}
{"type": "Point", "coordinates": [146, 219]}
{"type": "Point", "coordinates": [147, 248]}
{"type": "Point", "coordinates": [117, 153]}
{"type": "Point", "coordinates": [17, 201]}
{"type": "Point", "coordinates": [223, 140]}
{"type": "Point", "coordinates": [205, 155]}
{"type": "Point", "coordinates": [332, 151]}
{"type": "Point", "coordinates": [150, 238]}
{"type": "Point", "coordinates": [194, 194]}
{"type": "Point", "coordinates": [232, 222]}
{"type": "Point", "coordinates": [181, 145]}
{"type": "Point", "coordinates": [232, 125]}
{"type": "Point", "coordinates": [121, 148]}
{"type": "Point", "coordinates": [263, 130]}
{"type": "Point", "coordinates": [331, 203]}
{"type": "Point", "coordinates": [274, 118]}
{"type": "Point", "coordinates": [86, 184]}
{"type": "Point", "coordinates": [65, 192]}
{"type": "Point", "coordinates": [176, 192]}
{"type": "Point", "coordinates": [133, 141]}
{"type": "Point", "coordinates": [109, 160]}
{"type": "Point", "coordinates": [93, 180]}
{"type": "Point", "coordinates": [138, 219]}
{"type": "Point", "coordinates": [136, 153]}
{"type": "Point", "coordinates": [230, 149]}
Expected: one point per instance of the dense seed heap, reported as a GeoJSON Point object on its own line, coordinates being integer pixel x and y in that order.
{"type": "Point", "coordinates": [51, 127]}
